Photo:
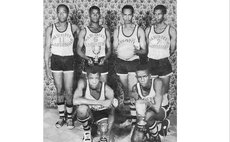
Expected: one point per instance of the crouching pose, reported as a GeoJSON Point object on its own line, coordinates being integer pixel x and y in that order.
{"type": "Point", "coordinates": [151, 107]}
{"type": "Point", "coordinates": [94, 103]}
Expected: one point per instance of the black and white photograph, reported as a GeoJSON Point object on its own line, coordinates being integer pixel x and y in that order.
{"type": "Point", "coordinates": [115, 71]}
{"type": "Point", "coordinates": [110, 70]}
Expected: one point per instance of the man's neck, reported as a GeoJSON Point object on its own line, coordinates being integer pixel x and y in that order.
{"type": "Point", "coordinates": [148, 86]}
{"type": "Point", "coordinates": [62, 23]}
{"type": "Point", "coordinates": [94, 25]}
{"type": "Point", "coordinates": [160, 25]}
{"type": "Point", "coordinates": [128, 25]}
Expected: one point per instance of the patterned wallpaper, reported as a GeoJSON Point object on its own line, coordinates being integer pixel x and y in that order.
{"type": "Point", "coordinates": [111, 16]}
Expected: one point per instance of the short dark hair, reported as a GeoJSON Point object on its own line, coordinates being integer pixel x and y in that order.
{"type": "Point", "coordinates": [93, 70]}
{"type": "Point", "coordinates": [162, 8]}
{"type": "Point", "coordinates": [63, 5]}
{"type": "Point", "coordinates": [128, 7]}
{"type": "Point", "coordinates": [94, 7]}
{"type": "Point", "coordinates": [142, 67]}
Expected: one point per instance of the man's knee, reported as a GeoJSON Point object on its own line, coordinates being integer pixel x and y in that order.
{"type": "Point", "coordinates": [82, 111]}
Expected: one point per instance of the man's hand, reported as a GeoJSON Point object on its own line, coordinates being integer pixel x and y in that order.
{"type": "Point", "coordinates": [90, 62]}
{"type": "Point", "coordinates": [48, 73]}
{"type": "Point", "coordinates": [102, 61]}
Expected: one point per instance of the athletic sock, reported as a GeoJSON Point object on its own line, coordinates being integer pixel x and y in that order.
{"type": "Point", "coordinates": [133, 114]}
{"type": "Point", "coordinates": [61, 110]}
{"type": "Point", "coordinates": [69, 109]}
{"type": "Point", "coordinates": [153, 129]}
{"type": "Point", "coordinates": [85, 123]}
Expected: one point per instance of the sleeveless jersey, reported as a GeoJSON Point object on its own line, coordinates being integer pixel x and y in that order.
{"type": "Point", "coordinates": [125, 49]}
{"type": "Point", "coordinates": [151, 94]}
{"type": "Point", "coordinates": [62, 42]}
{"type": "Point", "coordinates": [90, 97]}
{"type": "Point", "coordinates": [159, 43]}
{"type": "Point", "coordinates": [95, 43]}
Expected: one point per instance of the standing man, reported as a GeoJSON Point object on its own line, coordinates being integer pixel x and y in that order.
{"type": "Point", "coordinates": [59, 42]}
{"type": "Point", "coordinates": [96, 40]}
{"type": "Point", "coordinates": [161, 42]}
{"type": "Point", "coordinates": [151, 106]}
{"type": "Point", "coordinates": [94, 101]}
{"type": "Point", "coordinates": [129, 43]}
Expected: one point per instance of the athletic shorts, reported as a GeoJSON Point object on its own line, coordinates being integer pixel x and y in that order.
{"type": "Point", "coordinates": [62, 63]}
{"type": "Point", "coordinates": [103, 69]}
{"type": "Point", "coordinates": [161, 67]}
{"type": "Point", "coordinates": [100, 115]}
{"type": "Point", "coordinates": [124, 67]}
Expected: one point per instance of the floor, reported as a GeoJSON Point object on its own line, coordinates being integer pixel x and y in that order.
{"type": "Point", "coordinates": [52, 134]}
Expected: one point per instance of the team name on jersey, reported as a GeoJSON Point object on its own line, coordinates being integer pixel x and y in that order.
{"type": "Point", "coordinates": [158, 41]}
{"type": "Point", "coordinates": [60, 40]}
{"type": "Point", "coordinates": [128, 40]}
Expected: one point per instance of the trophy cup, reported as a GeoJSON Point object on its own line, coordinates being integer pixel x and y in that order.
{"type": "Point", "coordinates": [141, 110]}
{"type": "Point", "coordinates": [96, 51]}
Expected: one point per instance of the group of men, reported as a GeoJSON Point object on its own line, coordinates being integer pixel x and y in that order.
{"type": "Point", "coordinates": [147, 84]}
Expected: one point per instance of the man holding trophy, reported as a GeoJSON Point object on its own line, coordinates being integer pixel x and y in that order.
{"type": "Point", "coordinates": [96, 40]}
{"type": "Point", "coordinates": [151, 107]}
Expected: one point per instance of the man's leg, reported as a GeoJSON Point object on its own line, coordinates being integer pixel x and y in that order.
{"type": "Point", "coordinates": [58, 78]}
{"type": "Point", "coordinates": [166, 80]}
{"type": "Point", "coordinates": [68, 83]}
{"type": "Point", "coordinates": [83, 116]}
{"type": "Point", "coordinates": [152, 118]}
{"type": "Point", "coordinates": [124, 81]}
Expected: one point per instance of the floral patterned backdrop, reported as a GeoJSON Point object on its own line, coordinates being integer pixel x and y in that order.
{"type": "Point", "coordinates": [111, 17]}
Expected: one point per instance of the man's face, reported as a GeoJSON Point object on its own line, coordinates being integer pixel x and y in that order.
{"type": "Point", "coordinates": [159, 16]}
{"type": "Point", "coordinates": [127, 16]}
{"type": "Point", "coordinates": [143, 77]}
{"type": "Point", "coordinates": [94, 16]}
{"type": "Point", "coordinates": [62, 14]}
{"type": "Point", "coordinates": [94, 80]}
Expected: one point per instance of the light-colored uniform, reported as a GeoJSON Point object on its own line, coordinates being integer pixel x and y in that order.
{"type": "Point", "coordinates": [62, 42]}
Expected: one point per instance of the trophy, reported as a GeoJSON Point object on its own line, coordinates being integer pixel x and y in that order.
{"type": "Point", "coordinates": [96, 51]}
{"type": "Point", "coordinates": [141, 110]}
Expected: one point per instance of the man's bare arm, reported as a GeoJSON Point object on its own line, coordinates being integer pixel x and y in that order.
{"type": "Point", "coordinates": [47, 47]}
{"type": "Point", "coordinates": [108, 44]}
{"type": "Point", "coordinates": [78, 98]}
{"type": "Point", "coordinates": [115, 40]}
{"type": "Point", "coordinates": [142, 42]}
{"type": "Point", "coordinates": [158, 85]}
{"type": "Point", "coordinates": [81, 43]}
{"type": "Point", "coordinates": [173, 40]}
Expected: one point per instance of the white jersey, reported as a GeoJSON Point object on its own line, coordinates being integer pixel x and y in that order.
{"type": "Point", "coordinates": [159, 43]}
{"type": "Point", "coordinates": [95, 43]}
{"type": "Point", "coordinates": [62, 42]}
{"type": "Point", "coordinates": [125, 49]}
{"type": "Point", "coordinates": [151, 94]}
{"type": "Point", "coordinates": [90, 97]}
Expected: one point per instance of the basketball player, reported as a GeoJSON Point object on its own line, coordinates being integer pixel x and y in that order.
{"type": "Point", "coordinates": [129, 43]}
{"type": "Point", "coordinates": [94, 100]}
{"type": "Point", "coordinates": [161, 42]}
{"type": "Point", "coordinates": [59, 42]}
{"type": "Point", "coordinates": [151, 106]}
{"type": "Point", "coordinates": [96, 40]}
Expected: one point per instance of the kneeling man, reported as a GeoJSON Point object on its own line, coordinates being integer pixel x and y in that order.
{"type": "Point", "coordinates": [151, 106]}
{"type": "Point", "coordinates": [94, 101]}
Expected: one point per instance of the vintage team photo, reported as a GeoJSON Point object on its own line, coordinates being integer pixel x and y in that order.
{"type": "Point", "coordinates": [110, 70]}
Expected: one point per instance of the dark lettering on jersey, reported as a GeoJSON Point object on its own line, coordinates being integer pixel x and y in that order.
{"type": "Point", "coordinates": [94, 35]}
{"type": "Point", "coordinates": [159, 41]}
{"type": "Point", "coordinates": [127, 40]}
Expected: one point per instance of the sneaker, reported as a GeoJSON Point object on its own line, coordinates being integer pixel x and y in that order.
{"type": "Point", "coordinates": [60, 123]}
{"type": "Point", "coordinates": [70, 124]}
{"type": "Point", "coordinates": [87, 136]}
{"type": "Point", "coordinates": [164, 127]}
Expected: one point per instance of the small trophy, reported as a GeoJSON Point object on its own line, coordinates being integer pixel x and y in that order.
{"type": "Point", "coordinates": [96, 51]}
{"type": "Point", "coordinates": [141, 110]}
